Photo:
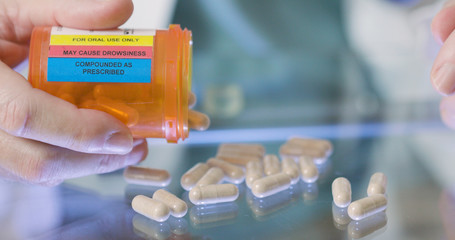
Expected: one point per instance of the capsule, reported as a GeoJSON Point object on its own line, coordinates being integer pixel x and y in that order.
{"type": "Point", "coordinates": [291, 168]}
{"type": "Point", "coordinates": [147, 176]}
{"type": "Point", "coordinates": [292, 150]}
{"type": "Point", "coordinates": [254, 171]}
{"type": "Point", "coordinates": [378, 184]}
{"type": "Point", "coordinates": [198, 121]}
{"type": "Point", "coordinates": [270, 185]}
{"type": "Point", "coordinates": [117, 91]}
{"type": "Point", "coordinates": [271, 164]}
{"type": "Point", "coordinates": [309, 171]}
{"type": "Point", "coordinates": [176, 205]}
{"type": "Point", "coordinates": [213, 176]}
{"type": "Point", "coordinates": [312, 143]}
{"type": "Point", "coordinates": [341, 192]}
{"type": "Point", "coordinates": [368, 206]}
{"type": "Point", "coordinates": [238, 158]}
{"type": "Point", "coordinates": [242, 149]}
{"type": "Point", "coordinates": [232, 172]}
{"type": "Point", "coordinates": [191, 100]}
{"type": "Point", "coordinates": [215, 193]}
{"type": "Point", "coordinates": [128, 115]}
{"type": "Point", "coordinates": [151, 208]}
{"type": "Point", "coordinates": [190, 178]}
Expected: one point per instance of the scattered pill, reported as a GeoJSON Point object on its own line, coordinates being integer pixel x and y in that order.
{"type": "Point", "coordinates": [242, 149]}
{"type": "Point", "coordinates": [309, 171]}
{"type": "Point", "coordinates": [126, 114]}
{"type": "Point", "coordinates": [378, 184]}
{"type": "Point", "coordinates": [254, 171]}
{"type": "Point", "coordinates": [150, 208]}
{"type": "Point", "coordinates": [341, 192]}
{"type": "Point", "coordinates": [291, 168]}
{"type": "Point", "coordinates": [147, 176]}
{"type": "Point", "coordinates": [271, 164]}
{"type": "Point", "coordinates": [368, 206]}
{"type": "Point", "coordinates": [292, 150]}
{"type": "Point", "coordinates": [237, 158]}
{"type": "Point", "coordinates": [191, 100]}
{"type": "Point", "coordinates": [198, 121]}
{"type": "Point", "coordinates": [320, 144]}
{"type": "Point", "coordinates": [270, 185]}
{"type": "Point", "coordinates": [176, 205]}
{"type": "Point", "coordinates": [190, 178]}
{"type": "Point", "coordinates": [215, 193]}
{"type": "Point", "coordinates": [213, 176]}
{"type": "Point", "coordinates": [233, 173]}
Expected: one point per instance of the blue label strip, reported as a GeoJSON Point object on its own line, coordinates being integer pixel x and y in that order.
{"type": "Point", "coordinates": [99, 70]}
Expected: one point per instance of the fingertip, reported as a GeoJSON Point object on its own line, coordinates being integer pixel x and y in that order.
{"type": "Point", "coordinates": [444, 22]}
{"type": "Point", "coordinates": [139, 152]}
{"type": "Point", "coordinates": [447, 109]}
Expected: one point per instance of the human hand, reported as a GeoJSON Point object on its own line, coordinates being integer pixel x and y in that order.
{"type": "Point", "coordinates": [43, 139]}
{"type": "Point", "coordinates": [443, 71]}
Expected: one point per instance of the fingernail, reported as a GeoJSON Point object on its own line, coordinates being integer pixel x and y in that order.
{"type": "Point", "coordinates": [119, 142]}
{"type": "Point", "coordinates": [444, 79]}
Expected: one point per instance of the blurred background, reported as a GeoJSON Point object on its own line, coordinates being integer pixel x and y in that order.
{"type": "Point", "coordinates": [353, 71]}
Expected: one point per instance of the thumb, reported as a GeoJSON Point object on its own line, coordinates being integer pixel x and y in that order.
{"type": "Point", "coordinates": [444, 22]}
{"type": "Point", "coordinates": [85, 14]}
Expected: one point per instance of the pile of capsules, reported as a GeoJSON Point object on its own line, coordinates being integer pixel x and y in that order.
{"type": "Point", "coordinates": [264, 174]}
{"type": "Point", "coordinates": [374, 204]}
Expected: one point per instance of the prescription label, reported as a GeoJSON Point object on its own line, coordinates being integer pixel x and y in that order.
{"type": "Point", "coordinates": [121, 56]}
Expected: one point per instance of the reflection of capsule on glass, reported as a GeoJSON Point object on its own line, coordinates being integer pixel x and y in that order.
{"type": "Point", "coordinates": [367, 226]}
{"type": "Point", "coordinates": [212, 215]}
{"type": "Point", "coordinates": [310, 192]}
{"type": "Point", "coordinates": [132, 190]}
{"type": "Point", "coordinates": [179, 226]}
{"type": "Point", "coordinates": [340, 216]}
{"type": "Point", "coordinates": [263, 208]}
{"type": "Point", "coordinates": [324, 170]}
{"type": "Point", "coordinates": [149, 229]}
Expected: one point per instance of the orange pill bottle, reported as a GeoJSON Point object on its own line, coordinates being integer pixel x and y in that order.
{"type": "Point", "coordinates": [141, 77]}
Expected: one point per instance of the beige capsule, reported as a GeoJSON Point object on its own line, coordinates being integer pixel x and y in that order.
{"type": "Point", "coordinates": [271, 164]}
{"type": "Point", "coordinates": [291, 168]}
{"type": "Point", "coordinates": [378, 184]}
{"type": "Point", "coordinates": [237, 158]}
{"type": "Point", "coordinates": [213, 176]}
{"type": "Point", "coordinates": [270, 185]}
{"type": "Point", "coordinates": [151, 208]}
{"type": "Point", "coordinates": [368, 206]}
{"type": "Point", "coordinates": [192, 176]}
{"type": "Point", "coordinates": [244, 149]}
{"type": "Point", "coordinates": [147, 176]}
{"type": "Point", "coordinates": [320, 144]}
{"type": "Point", "coordinates": [309, 171]}
{"type": "Point", "coordinates": [290, 150]}
{"type": "Point", "coordinates": [191, 100]}
{"type": "Point", "coordinates": [215, 193]}
{"type": "Point", "coordinates": [254, 171]}
{"type": "Point", "coordinates": [176, 205]}
{"type": "Point", "coordinates": [341, 192]}
{"type": "Point", "coordinates": [232, 172]}
{"type": "Point", "coordinates": [198, 121]}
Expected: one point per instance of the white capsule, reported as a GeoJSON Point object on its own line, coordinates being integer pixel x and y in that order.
{"type": "Point", "coordinates": [378, 184]}
{"type": "Point", "coordinates": [213, 176]}
{"type": "Point", "coordinates": [233, 173]}
{"type": "Point", "coordinates": [254, 171]}
{"type": "Point", "coordinates": [309, 170]}
{"type": "Point", "coordinates": [176, 205]}
{"type": "Point", "coordinates": [341, 192]}
{"type": "Point", "coordinates": [256, 150]}
{"type": "Point", "coordinates": [147, 176]}
{"type": "Point", "coordinates": [190, 178]}
{"type": "Point", "coordinates": [237, 158]}
{"type": "Point", "coordinates": [150, 208]}
{"type": "Point", "coordinates": [270, 185]}
{"type": "Point", "coordinates": [215, 193]}
{"type": "Point", "coordinates": [312, 143]}
{"type": "Point", "coordinates": [366, 207]}
{"type": "Point", "coordinates": [271, 164]}
{"type": "Point", "coordinates": [291, 168]}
